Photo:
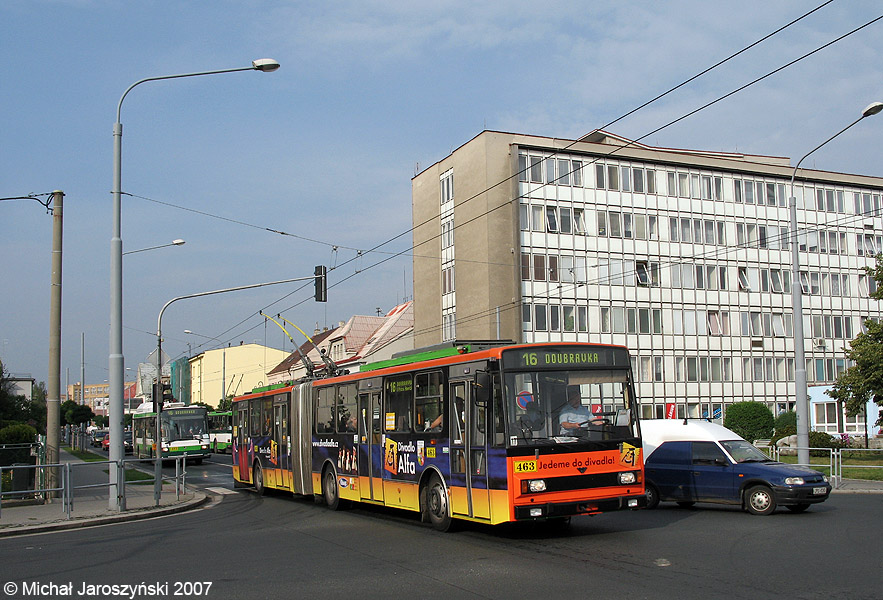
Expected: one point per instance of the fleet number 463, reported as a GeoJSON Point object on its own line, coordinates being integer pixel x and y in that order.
{"type": "Point", "coordinates": [526, 466]}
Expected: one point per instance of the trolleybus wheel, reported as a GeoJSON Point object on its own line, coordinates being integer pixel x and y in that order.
{"type": "Point", "coordinates": [257, 475]}
{"type": "Point", "coordinates": [437, 504]}
{"type": "Point", "coordinates": [329, 489]}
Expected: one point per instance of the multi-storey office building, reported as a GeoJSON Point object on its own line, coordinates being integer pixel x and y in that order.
{"type": "Point", "coordinates": [683, 256]}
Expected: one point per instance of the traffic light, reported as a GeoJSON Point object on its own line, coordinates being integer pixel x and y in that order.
{"type": "Point", "coordinates": [321, 283]}
{"type": "Point", "coordinates": [162, 394]}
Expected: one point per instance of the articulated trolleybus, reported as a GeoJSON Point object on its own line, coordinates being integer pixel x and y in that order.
{"type": "Point", "coordinates": [184, 431]}
{"type": "Point", "coordinates": [479, 432]}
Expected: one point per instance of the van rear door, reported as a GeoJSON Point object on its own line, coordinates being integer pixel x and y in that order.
{"type": "Point", "coordinates": [669, 468]}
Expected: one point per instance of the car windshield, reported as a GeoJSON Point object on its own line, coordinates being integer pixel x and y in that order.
{"type": "Point", "coordinates": [569, 406]}
{"type": "Point", "coordinates": [742, 451]}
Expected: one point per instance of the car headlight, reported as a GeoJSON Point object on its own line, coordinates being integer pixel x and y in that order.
{"type": "Point", "coordinates": [627, 478]}
{"type": "Point", "coordinates": [825, 478]}
{"type": "Point", "coordinates": [794, 480]}
{"type": "Point", "coordinates": [533, 486]}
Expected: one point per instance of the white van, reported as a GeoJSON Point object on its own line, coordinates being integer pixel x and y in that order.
{"type": "Point", "coordinates": [698, 461]}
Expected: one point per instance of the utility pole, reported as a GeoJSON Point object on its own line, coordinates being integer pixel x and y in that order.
{"type": "Point", "coordinates": [53, 396]}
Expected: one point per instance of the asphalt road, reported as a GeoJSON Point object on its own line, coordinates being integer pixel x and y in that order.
{"type": "Point", "coordinates": [246, 546]}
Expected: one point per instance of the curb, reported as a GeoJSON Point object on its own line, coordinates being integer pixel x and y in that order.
{"type": "Point", "coordinates": [198, 500]}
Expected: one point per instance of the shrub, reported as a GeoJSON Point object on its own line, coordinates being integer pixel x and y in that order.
{"type": "Point", "coordinates": [820, 439]}
{"type": "Point", "coordinates": [751, 420]}
{"type": "Point", "coordinates": [16, 434]}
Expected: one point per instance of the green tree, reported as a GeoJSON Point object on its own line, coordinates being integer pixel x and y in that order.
{"type": "Point", "coordinates": [863, 381]}
{"type": "Point", "coordinates": [225, 404]}
{"type": "Point", "coordinates": [11, 404]}
{"type": "Point", "coordinates": [751, 420]}
{"type": "Point", "coordinates": [75, 414]}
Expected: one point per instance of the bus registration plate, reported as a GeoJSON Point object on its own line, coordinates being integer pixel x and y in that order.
{"type": "Point", "coordinates": [526, 466]}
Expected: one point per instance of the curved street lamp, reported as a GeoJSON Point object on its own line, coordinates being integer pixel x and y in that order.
{"type": "Point", "coordinates": [115, 359]}
{"type": "Point", "coordinates": [178, 242]}
{"type": "Point", "coordinates": [801, 398]}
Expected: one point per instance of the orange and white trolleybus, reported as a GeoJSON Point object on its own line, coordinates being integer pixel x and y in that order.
{"type": "Point", "coordinates": [479, 431]}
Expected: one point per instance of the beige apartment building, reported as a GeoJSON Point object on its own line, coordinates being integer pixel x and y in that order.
{"type": "Point", "coordinates": [683, 256]}
{"type": "Point", "coordinates": [236, 370]}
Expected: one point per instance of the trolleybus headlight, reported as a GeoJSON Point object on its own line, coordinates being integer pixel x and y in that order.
{"type": "Point", "coordinates": [794, 480]}
{"type": "Point", "coordinates": [627, 478]}
{"type": "Point", "coordinates": [532, 486]}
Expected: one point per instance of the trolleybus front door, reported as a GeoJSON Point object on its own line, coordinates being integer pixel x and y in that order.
{"type": "Point", "coordinates": [370, 447]}
{"type": "Point", "coordinates": [468, 453]}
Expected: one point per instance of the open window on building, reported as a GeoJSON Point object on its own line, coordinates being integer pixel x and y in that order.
{"type": "Point", "coordinates": [743, 279]}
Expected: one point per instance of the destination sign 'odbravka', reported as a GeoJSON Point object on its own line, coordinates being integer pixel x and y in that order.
{"type": "Point", "coordinates": [566, 357]}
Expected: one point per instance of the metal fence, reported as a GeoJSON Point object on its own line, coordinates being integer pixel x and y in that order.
{"type": "Point", "coordinates": [835, 461]}
{"type": "Point", "coordinates": [29, 481]}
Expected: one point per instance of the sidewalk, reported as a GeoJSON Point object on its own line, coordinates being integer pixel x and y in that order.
{"type": "Point", "coordinates": [90, 507]}
{"type": "Point", "coordinates": [859, 486]}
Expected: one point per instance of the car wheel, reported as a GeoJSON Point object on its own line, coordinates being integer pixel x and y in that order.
{"type": "Point", "coordinates": [652, 495]}
{"type": "Point", "coordinates": [797, 508]}
{"type": "Point", "coordinates": [759, 500]}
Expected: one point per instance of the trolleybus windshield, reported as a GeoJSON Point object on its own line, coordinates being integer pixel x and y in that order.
{"type": "Point", "coordinates": [568, 406]}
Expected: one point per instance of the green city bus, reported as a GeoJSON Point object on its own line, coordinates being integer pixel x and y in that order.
{"type": "Point", "coordinates": [185, 430]}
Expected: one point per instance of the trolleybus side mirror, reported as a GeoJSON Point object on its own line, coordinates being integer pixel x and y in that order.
{"type": "Point", "coordinates": [481, 388]}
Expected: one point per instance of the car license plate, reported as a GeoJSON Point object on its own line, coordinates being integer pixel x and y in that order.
{"type": "Point", "coordinates": [818, 490]}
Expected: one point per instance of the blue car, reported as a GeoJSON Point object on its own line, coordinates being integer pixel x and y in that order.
{"type": "Point", "coordinates": [697, 461]}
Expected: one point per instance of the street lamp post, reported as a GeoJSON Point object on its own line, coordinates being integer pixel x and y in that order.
{"type": "Point", "coordinates": [223, 364]}
{"type": "Point", "coordinates": [115, 358]}
{"type": "Point", "coordinates": [800, 391]}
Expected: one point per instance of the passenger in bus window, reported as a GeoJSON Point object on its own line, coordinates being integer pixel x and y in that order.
{"type": "Point", "coordinates": [574, 416]}
{"type": "Point", "coordinates": [352, 424]}
{"type": "Point", "coordinates": [436, 424]}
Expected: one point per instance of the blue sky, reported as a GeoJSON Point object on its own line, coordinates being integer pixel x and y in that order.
{"type": "Point", "coordinates": [325, 147]}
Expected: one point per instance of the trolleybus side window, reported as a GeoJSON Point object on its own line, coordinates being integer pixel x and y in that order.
{"type": "Point", "coordinates": [499, 414]}
{"type": "Point", "coordinates": [428, 400]}
{"type": "Point", "coordinates": [399, 398]}
{"type": "Point", "coordinates": [267, 416]}
{"type": "Point", "coordinates": [255, 421]}
{"type": "Point", "coordinates": [347, 418]}
{"type": "Point", "coordinates": [325, 410]}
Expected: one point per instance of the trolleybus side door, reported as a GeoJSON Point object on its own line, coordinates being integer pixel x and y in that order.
{"type": "Point", "coordinates": [468, 452]}
{"type": "Point", "coordinates": [370, 447]}
{"type": "Point", "coordinates": [280, 436]}
{"type": "Point", "coordinates": [242, 442]}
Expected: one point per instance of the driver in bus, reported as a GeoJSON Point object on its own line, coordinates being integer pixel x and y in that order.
{"type": "Point", "coordinates": [574, 416]}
